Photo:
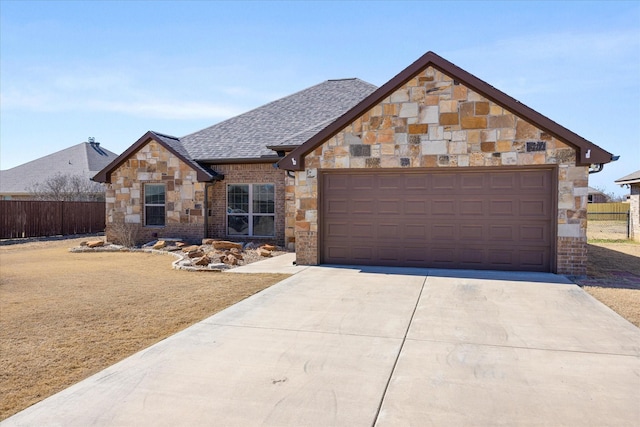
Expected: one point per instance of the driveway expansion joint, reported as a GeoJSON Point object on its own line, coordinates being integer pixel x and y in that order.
{"type": "Point", "coordinates": [395, 363]}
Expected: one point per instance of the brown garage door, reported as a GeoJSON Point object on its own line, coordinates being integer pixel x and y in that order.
{"type": "Point", "coordinates": [499, 220]}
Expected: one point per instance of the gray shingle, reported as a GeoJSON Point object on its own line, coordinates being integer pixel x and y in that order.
{"type": "Point", "coordinates": [287, 121]}
{"type": "Point", "coordinates": [82, 159]}
{"type": "Point", "coordinates": [628, 179]}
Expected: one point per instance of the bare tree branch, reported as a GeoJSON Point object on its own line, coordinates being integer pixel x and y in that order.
{"type": "Point", "coordinates": [68, 188]}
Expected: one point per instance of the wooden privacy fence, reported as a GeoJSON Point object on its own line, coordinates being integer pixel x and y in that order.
{"type": "Point", "coordinates": [31, 218]}
{"type": "Point", "coordinates": [608, 211]}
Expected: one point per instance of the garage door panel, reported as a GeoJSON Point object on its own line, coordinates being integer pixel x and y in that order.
{"type": "Point", "coordinates": [361, 206]}
{"type": "Point", "coordinates": [363, 182]}
{"type": "Point", "coordinates": [444, 181]}
{"type": "Point", "coordinates": [443, 232]}
{"type": "Point", "coordinates": [338, 182]}
{"type": "Point", "coordinates": [472, 257]}
{"type": "Point", "coordinates": [534, 259]}
{"type": "Point", "coordinates": [502, 207]}
{"type": "Point", "coordinates": [414, 232]}
{"type": "Point", "coordinates": [472, 207]}
{"type": "Point", "coordinates": [442, 206]}
{"type": "Point", "coordinates": [391, 182]}
{"type": "Point", "coordinates": [500, 258]}
{"type": "Point", "coordinates": [533, 181]}
{"type": "Point", "coordinates": [413, 206]}
{"type": "Point", "coordinates": [503, 182]}
{"type": "Point", "coordinates": [533, 208]}
{"type": "Point", "coordinates": [534, 233]}
{"type": "Point", "coordinates": [472, 232]}
{"type": "Point", "coordinates": [361, 253]}
{"type": "Point", "coordinates": [337, 206]}
{"type": "Point", "coordinates": [416, 182]}
{"type": "Point", "coordinates": [390, 206]}
{"type": "Point", "coordinates": [337, 231]}
{"type": "Point", "coordinates": [468, 219]}
{"type": "Point", "coordinates": [504, 233]}
{"type": "Point", "coordinates": [362, 230]}
{"type": "Point", "coordinates": [389, 231]}
{"type": "Point", "coordinates": [472, 183]}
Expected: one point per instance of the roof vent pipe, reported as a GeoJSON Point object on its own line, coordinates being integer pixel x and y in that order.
{"type": "Point", "coordinates": [91, 140]}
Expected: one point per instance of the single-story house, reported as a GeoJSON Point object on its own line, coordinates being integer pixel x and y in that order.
{"type": "Point", "coordinates": [436, 168]}
{"type": "Point", "coordinates": [597, 196]}
{"type": "Point", "coordinates": [84, 159]}
{"type": "Point", "coordinates": [633, 182]}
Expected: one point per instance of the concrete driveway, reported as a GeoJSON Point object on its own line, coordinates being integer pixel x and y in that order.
{"type": "Point", "coordinates": [386, 347]}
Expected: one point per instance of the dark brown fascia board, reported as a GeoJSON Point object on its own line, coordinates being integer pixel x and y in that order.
{"type": "Point", "coordinates": [283, 147]}
{"type": "Point", "coordinates": [588, 152]}
{"type": "Point", "coordinates": [105, 174]}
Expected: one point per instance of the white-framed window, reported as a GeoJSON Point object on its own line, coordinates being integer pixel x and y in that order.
{"type": "Point", "coordinates": [251, 210]}
{"type": "Point", "coordinates": [154, 205]}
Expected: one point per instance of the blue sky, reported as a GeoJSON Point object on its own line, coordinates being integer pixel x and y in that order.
{"type": "Point", "coordinates": [114, 70]}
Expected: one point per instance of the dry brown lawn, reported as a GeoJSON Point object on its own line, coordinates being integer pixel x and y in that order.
{"type": "Point", "coordinates": [614, 277]}
{"type": "Point", "coordinates": [65, 316]}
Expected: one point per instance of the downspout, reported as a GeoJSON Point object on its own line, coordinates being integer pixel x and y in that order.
{"type": "Point", "coordinates": [597, 167]}
{"type": "Point", "coordinates": [206, 209]}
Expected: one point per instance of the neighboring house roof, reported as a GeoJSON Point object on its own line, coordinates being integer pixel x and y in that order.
{"type": "Point", "coordinates": [83, 159]}
{"type": "Point", "coordinates": [257, 135]}
{"type": "Point", "coordinates": [171, 143]}
{"type": "Point", "coordinates": [592, 190]}
{"type": "Point", "coordinates": [278, 123]}
{"type": "Point", "coordinates": [632, 178]}
{"type": "Point", "coordinates": [587, 152]}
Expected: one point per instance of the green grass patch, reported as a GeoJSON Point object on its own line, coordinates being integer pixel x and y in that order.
{"type": "Point", "coordinates": [626, 241]}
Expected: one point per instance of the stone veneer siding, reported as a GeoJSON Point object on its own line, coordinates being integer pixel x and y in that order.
{"type": "Point", "coordinates": [434, 122]}
{"type": "Point", "coordinates": [184, 204]}
{"type": "Point", "coordinates": [634, 211]}
{"type": "Point", "coordinates": [248, 173]}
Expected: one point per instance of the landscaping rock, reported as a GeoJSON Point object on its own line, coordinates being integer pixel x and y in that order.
{"type": "Point", "coordinates": [223, 244]}
{"type": "Point", "coordinates": [269, 248]}
{"type": "Point", "coordinates": [181, 244]}
{"type": "Point", "coordinates": [196, 254]}
{"type": "Point", "coordinates": [208, 241]}
{"type": "Point", "coordinates": [202, 261]}
{"type": "Point", "coordinates": [265, 253]}
{"type": "Point", "coordinates": [160, 244]}
{"type": "Point", "coordinates": [95, 243]}
{"type": "Point", "coordinates": [190, 248]}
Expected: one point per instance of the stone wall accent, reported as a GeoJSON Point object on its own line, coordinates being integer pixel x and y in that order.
{"type": "Point", "coordinates": [634, 211]}
{"type": "Point", "coordinates": [255, 173]}
{"type": "Point", "coordinates": [184, 198]}
{"type": "Point", "coordinates": [434, 122]}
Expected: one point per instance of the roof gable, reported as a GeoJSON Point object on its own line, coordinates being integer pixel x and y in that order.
{"type": "Point", "coordinates": [278, 123]}
{"type": "Point", "coordinates": [171, 143]}
{"type": "Point", "coordinates": [586, 151]}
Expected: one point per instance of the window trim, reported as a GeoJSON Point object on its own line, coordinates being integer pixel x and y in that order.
{"type": "Point", "coordinates": [250, 215]}
{"type": "Point", "coordinates": [145, 204]}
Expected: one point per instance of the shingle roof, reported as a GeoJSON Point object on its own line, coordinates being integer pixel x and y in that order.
{"type": "Point", "coordinates": [287, 121]}
{"type": "Point", "coordinates": [632, 178]}
{"type": "Point", "coordinates": [84, 159]}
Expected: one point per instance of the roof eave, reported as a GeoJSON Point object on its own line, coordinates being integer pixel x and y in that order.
{"type": "Point", "coordinates": [104, 175]}
{"type": "Point", "coordinates": [587, 153]}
